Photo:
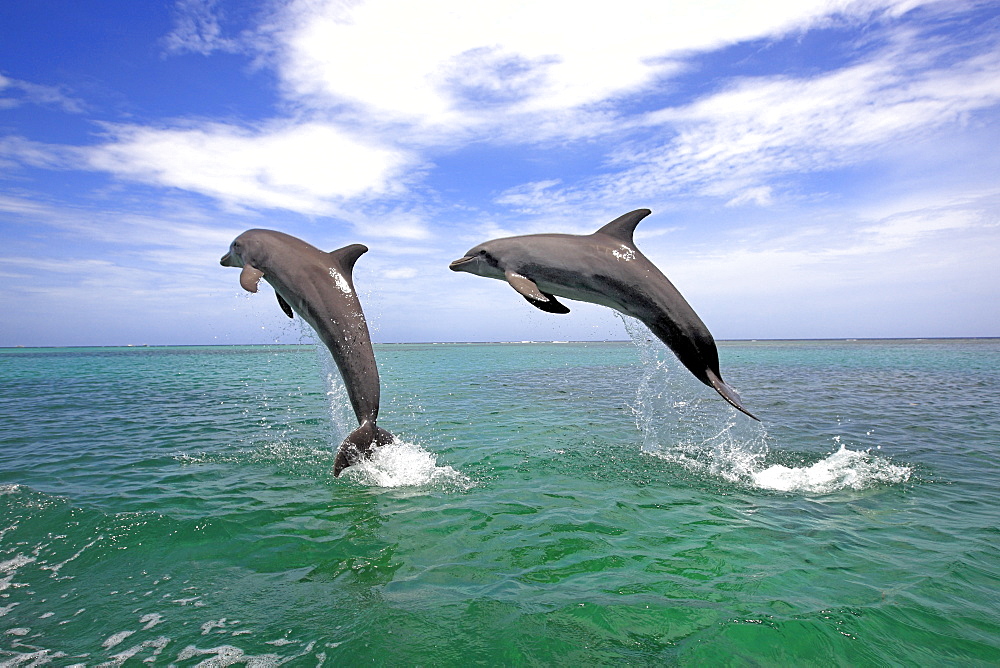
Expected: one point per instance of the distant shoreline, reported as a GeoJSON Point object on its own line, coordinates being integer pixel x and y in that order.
{"type": "Point", "coordinates": [525, 342]}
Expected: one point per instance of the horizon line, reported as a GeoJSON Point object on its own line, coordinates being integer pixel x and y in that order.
{"type": "Point", "coordinates": [522, 342]}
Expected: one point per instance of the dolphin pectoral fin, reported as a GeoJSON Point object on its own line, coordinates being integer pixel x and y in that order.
{"type": "Point", "coordinates": [525, 286]}
{"type": "Point", "coordinates": [284, 306]}
{"type": "Point", "coordinates": [249, 277]}
{"type": "Point", "coordinates": [552, 305]}
{"type": "Point", "coordinates": [535, 297]}
{"type": "Point", "coordinates": [729, 394]}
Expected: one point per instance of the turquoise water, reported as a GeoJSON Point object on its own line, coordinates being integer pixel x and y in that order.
{"type": "Point", "coordinates": [547, 504]}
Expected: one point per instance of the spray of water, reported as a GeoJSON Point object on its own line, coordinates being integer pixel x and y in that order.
{"type": "Point", "coordinates": [402, 464]}
{"type": "Point", "coordinates": [684, 423]}
{"type": "Point", "coordinates": [342, 419]}
{"type": "Point", "coordinates": [398, 464]}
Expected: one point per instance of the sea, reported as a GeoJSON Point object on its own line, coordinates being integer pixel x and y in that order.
{"type": "Point", "coordinates": [544, 504]}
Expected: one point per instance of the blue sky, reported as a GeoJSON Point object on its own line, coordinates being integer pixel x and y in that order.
{"type": "Point", "coordinates": [815, 169]}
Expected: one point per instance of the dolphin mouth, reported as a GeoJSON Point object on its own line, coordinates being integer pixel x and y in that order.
{"type": "Point", "coordinates": [457, 264]}
{"type": "Point", "coordinates": [226, 259]}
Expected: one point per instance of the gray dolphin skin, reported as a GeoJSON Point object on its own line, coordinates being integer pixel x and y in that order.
{"type": "Point", "coordinates": [603, 268]}
{"type": "Point", "coordinates": [319, 287]}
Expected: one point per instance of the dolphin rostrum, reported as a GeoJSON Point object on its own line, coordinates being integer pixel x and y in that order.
{"type": "Point", "coordinates": [603, 268]}
{"type": "Point", "coordinates": [320, 288]}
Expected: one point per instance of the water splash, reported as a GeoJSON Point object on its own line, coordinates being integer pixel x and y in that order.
{"type": "Point", "coordinates": [342, 419]}
{"type": "Point", "coordinates": [683, 423]}
{"type": "Point", "coordinates": [844, 469]}
{"type": "Point", "coordinates": [402, 464]}
{"type": "Point", "coordinates": [398, 464]}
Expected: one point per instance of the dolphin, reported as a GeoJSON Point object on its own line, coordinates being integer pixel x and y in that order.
{"type": "Point", "coordinates": [319, 287]}
{"type": "Point", "coordinates": [603, 268]}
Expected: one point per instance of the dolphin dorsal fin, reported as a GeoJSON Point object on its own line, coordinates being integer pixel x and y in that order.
{"type": "Point", "coordinates": [622, 227]}
{"type": "Point", "coordinates": [347, 256]}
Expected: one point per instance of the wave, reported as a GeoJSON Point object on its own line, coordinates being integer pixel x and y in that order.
{"type": "Point", "coordinates": [843, 469]}
{"type": "Point", "coordinates": [683, 423]}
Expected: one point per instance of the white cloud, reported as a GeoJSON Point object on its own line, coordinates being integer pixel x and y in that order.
{"type": "Point", "coordinates": [197, 29]}
{"type": "Point", "coordinates": [739, 144]}
{"type": "Point", "coordinates": [839, 258]}
{"type": "Point", "coordinates": [402, 273]}
{"type": "Point", "coordinates": [179, 244]}
{"type": "Point", "coordinates": [309, 168]}
{"type": "Point", "coordinates": [767, 125]}
{"type": "Point", "coordinates": [115, 276]}
{"type": "Point", "coordinates": [14, 93]}
{"type": "Point", "coordinates": [437, 73]}
{"type": "Point", "coordinates": [760, 195]}
{"type": "Point", "coordinates": [456, 63]}
{"type": "Point", "coordinates": [907, 228]}
{"type": "Point", "coordinates": [22, 207]}
{"type": "Point", "coordinates": [396, 224]}
{"type": "Point", "coordinates": [36, 264]}
{"type": "Point", "coordinates": [534, 197]}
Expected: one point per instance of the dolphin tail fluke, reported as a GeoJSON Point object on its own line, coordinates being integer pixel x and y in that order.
{"type": "Point", "coordinates": [728, 393]}
{"type": "Point", "coordinates": [383, 437]}
{"type": "Point", "coordinates": [359, 444]}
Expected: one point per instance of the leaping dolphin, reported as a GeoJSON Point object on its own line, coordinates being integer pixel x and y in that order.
{"type": "Point", "coordinates": [604, 268]}
{"type": "Point", "coordinates": [320, 288]}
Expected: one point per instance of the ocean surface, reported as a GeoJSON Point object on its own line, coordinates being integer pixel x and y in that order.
{"type": "Point", "coordinates": [546, 504]}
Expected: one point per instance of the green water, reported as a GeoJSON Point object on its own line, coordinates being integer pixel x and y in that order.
{"type": "Point", "coordinates": [547, 504]}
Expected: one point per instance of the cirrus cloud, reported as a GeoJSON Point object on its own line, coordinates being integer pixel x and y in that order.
{"type": "Point", "coordinates": [745, 143]}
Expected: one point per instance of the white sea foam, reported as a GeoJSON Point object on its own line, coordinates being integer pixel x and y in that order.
{"type": "Point", "coordinates": [398, 464]}
{"type": "Point", "coordinates": [281, 642]}
{"type": "Point", "coordinates": [150, 620]}
{"type": "Point", "coordinates": [8, 569]}
{"type": "Point", "coordinates": [844, 469]}
{"type": "Point", "coordinates": [402, 464]}
{"type": "Point", "coordinates": [228, 655]}
{"type": "Point", "coordinates": [116, 639]}
{"type": "Point", "coordinates": [157, 645]}
{"type": "Point", "coordinates": [701, 438]}
{"type": "Point", "coordinates": [37, 658]}
{"type": "Point", "coordinates": [57, 567]}
{"type": "Point", "coordinates": [11, 565]}
{"type": "Point", "coordinates": [738, 456]}
{"type": "Point", "coordinates": [208, 626]}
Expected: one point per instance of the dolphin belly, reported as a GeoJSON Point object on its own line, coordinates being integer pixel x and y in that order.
{"type": "Point", "coordinates": [593, 290]}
